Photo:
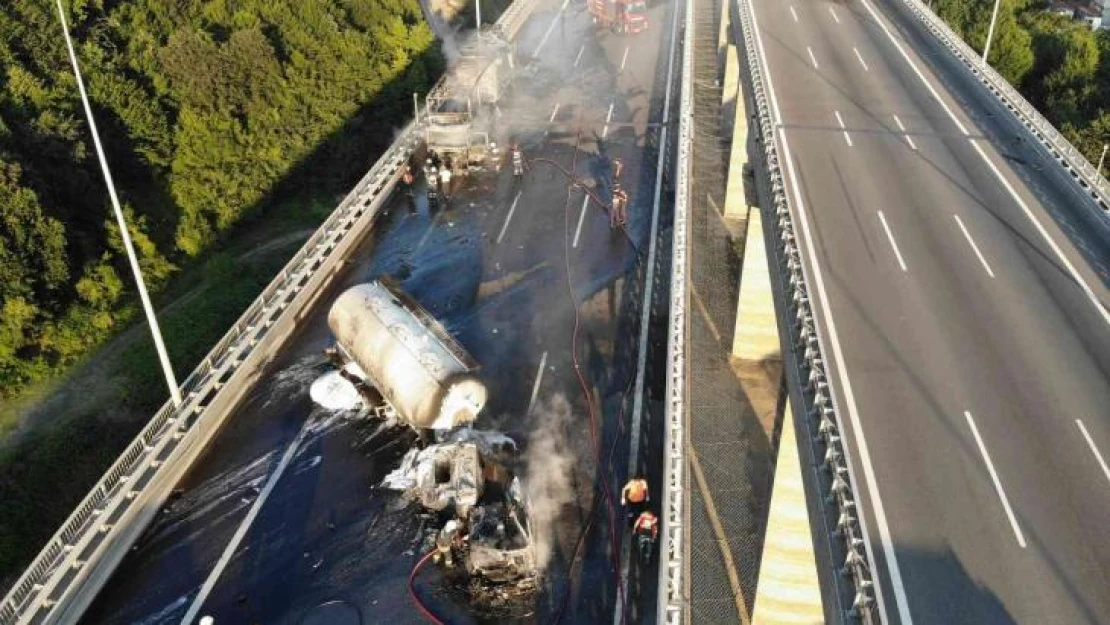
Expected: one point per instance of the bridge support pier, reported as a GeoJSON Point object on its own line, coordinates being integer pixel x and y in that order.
{"type": "Point", "coordinates": [756, 336]}
{"type": "Point", "coordinates": [788, 590]}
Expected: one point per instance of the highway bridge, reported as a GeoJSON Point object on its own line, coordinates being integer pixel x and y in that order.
{"type": "Point", "coordinates": [938, 258]}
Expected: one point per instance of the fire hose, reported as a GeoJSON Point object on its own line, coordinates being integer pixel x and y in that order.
{"type": "Point", "coordinates": [412, 590]}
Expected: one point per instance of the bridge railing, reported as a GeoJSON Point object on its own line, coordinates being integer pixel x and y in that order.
{"type": "Point", "coordinates": [1067, 155]}
{"type": "Point", "coordinates": [93, 539]}
{"type": "Point", "coordinates": [675, 537]}
{"type": "Point", "coordinates": [821, 414]}
{"type": "Point", "coordinates": [76, 562]}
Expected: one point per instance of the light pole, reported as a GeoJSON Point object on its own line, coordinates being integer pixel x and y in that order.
{"type": "Point", "coordinates": [990, 31]}
{"type": "Point", "coordinates": [159, 346]}
{"type": "Point", "coordinates": [478, 15]}
{"type": "Point", "coordinates": [1102, 159]}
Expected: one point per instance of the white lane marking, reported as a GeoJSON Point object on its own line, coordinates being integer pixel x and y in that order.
{"type": "Point", "coordinates": [1094, 450]}
{"type": "Point", "coordinates": [608, 118]}
{"type": "Point", "coordinates": [1044, 234]}
{"type": "Point", "coordinates": [913, 66]}
{"type": "Point", "coordinates": [554, 112]}
{"type": "Point", "coordinates": [841, 122]}
{"type": "Point", "coordinates": [427, 233]}
{"type": "Point", "coordinates": [245, 525]}
{"type": "Point", "coordinates": [833, 14]}
{"type": "Point", "coordinates": [581, 218]}
{"type": "Point", "coordinates": [536, 384]}
{"type": "Point", "coordinates": [967, 235]}
{"type": "Point", "coordinates": [997, 482]}
{"type": "Point", "coordinates": [645, 317]}
{"type": "Point", "coordinates": [554, 20]}
{"type": "Point", "coordinates": [794, 14]}
{"type": "Point", "coordinates": [509, 217]}
{"type": "Point", "coordinates": [861, 61]}
{"type": "Point", "coordinates": [624, 59]}
{"type": "Point", "coordinates": [890, 558]}
{"type": "Point", "coordinates": [890, 235]}
{"type": "Point", "coordinates": [909, 139]}
{"type": "Point", "coordinates": [579, 57]}
{"type": "Point", "coordinates": [812, 58]}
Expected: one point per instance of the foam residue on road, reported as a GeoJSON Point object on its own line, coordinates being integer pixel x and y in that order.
{"type": "Point", "coordinates": [332, 391]}
{"type": "Point", "coordinates": [549, 465]}
{"type": "Point", "coordinates": [293, 380]}
{"type": "Point", "coordinates": [170, 613]}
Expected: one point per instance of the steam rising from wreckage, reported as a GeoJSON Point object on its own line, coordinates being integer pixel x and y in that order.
{"type": "Point", "coordinates": [393, 356]}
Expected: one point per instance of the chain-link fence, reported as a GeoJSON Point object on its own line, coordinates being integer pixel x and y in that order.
{"type": "Point", "coordinates": [729, 452]}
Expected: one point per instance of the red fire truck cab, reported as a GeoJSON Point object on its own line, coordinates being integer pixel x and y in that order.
{"type": "Point", "coordinates": [620, 16]}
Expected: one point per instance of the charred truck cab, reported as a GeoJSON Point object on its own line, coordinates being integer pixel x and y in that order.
{"type": "Point", "coordinates": [491, 552]}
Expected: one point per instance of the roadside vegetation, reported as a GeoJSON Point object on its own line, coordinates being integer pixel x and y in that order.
{"type": "Point", "coordinates": [1059, 64]}
{"type": "Point", "coordinates": [232, 127]}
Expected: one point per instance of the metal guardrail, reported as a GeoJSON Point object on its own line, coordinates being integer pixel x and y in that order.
{"type": "Point", "coordinates": [63, 565]}
{"type": "Point", "coordinates": [808, 346]}
{"type": "Point", "coordinates": [1070, 158]}
{"type": "Point", "coordinates": [673, 597]}
{"type": "Point", "coordinates": [91, 542]}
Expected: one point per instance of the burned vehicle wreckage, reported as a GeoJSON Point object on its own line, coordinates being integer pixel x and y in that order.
{"type": "Point", "coordinates": [400, 363]}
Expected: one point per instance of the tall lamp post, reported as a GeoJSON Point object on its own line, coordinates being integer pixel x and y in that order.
{"type": "Point", "coordinates": [156, 332]}
{"type": "Point", "coordinates": [990, 31]}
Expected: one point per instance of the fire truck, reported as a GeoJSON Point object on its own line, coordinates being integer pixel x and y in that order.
{"type": "Point", "coordinates": [620, 16]}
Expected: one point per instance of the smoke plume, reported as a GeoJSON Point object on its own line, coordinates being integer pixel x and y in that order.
{"type": "Point", "coordinates": [549, 464]}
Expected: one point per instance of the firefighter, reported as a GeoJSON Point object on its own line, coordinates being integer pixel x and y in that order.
{"type": "Point", "coordinates": [445, 180]}
{"type": "Point", "coordinates": [518, 161]}
{"type": "Point", "coordinates": [495, 156]}
{"type": "Point", "coordinates": [618, 210]}
{"type": "Point", "coordinates": [408, 179]}
{"type": "Point", "coordinates": [431, 175]}
{"type": "Point", "coordinates": [448, 538]}
{"type": "Point", "coordinates": [635, 496]}
{"type": "Point", "coordinates": [646, 532]}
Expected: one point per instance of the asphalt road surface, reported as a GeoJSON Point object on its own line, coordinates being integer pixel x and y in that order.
{"type": "Point", "coordinates": [280, 521]}
{"type": "Point", "coordinates": [963, 295]}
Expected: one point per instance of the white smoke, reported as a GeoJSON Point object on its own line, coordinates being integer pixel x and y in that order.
{"type": "Point", "coordinates": [549, 464]}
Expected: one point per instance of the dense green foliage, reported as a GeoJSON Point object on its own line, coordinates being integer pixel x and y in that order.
{"type": "Point", "coordinates": [208, 110]}
{"type": "Point", "coordinates": [1060, 65]}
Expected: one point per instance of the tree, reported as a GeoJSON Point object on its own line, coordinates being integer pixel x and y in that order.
{"type": "Point", "coordinates": [1011, 52]}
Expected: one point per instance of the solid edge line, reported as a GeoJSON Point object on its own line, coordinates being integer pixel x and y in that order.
{"type": "Point", "coordinates": [994, 478]}
{"type": "Point", "coordinates": [916, 70]}
{"type": "Point", "coordinates": [509, 217]}
{"type": "Point", "coordinates": [536, 384]}
{"type": "Point", "coordinates": [971, 241]}
{"type": "Point", "coordinates": [1044, 234]}
{"type": "Point", "coordinates": [998, 174]}
{"type": "Point", "coordinates": [1098, 454]}
{"type": "Point", "coordinates": [554, 20]}
{"type": "Point", "coordinates": [894, 571]}
{"type": "Point", "coordinates": [893, 243]}
{"type": "Point", "coordinates": [244, 526]}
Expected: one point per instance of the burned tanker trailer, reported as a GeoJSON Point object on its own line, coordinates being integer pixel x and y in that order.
{"type": "Point", "coordinates": [394, 358]}
{"type": "Point", "coordinates": [387, 345]}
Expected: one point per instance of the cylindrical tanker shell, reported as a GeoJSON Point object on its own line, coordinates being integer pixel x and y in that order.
{"type": "Point", "coordinates": [408, 356]}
